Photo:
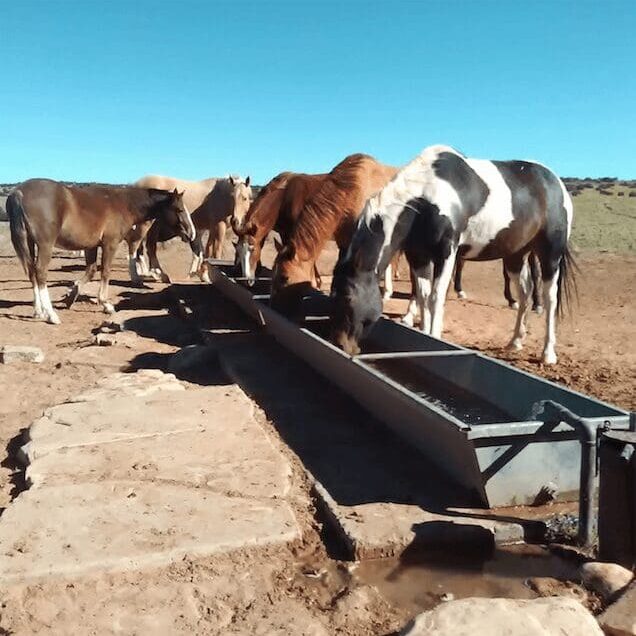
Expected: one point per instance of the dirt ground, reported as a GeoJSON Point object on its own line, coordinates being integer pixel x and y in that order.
{"type": "Point", "coordinates": [597, 355]}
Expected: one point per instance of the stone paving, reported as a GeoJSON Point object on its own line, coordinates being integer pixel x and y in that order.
{"type": "Point", "coordinates": [140, 472]}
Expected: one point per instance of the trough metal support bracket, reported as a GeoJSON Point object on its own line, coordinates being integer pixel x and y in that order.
{"type": "Point", "coordinates": [589, 437]}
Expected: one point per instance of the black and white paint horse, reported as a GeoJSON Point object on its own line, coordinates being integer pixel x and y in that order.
{"type": "Point", "coordinates": [443, 205]}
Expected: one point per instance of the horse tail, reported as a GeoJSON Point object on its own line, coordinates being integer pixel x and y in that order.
{"type": "Point", "coordinates": [21, 235]}
{"type": "Point", "coordinates": [566, 289]}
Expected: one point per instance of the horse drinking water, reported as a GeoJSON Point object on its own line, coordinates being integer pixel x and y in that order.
{"type": "Point", "coordinates": [44, 214]}
{"type": "Point", "coordinates": [331, 213]}
{"type": "Point", "coordinates": [277, 207]}
{"type": "Point", "coordinates": [443, 202]}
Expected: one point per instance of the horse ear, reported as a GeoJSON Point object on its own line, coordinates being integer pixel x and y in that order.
{"type": "Point", "coordinates": [247, 181]}
{"type": "Point", "coordinates": [175, 192]}
{"type": "Point", "coordinates": [278, 245]}
{"type": "Point", "coordinates": [231, 180]}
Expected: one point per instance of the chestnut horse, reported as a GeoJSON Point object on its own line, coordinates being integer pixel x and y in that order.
{"type": "Point", "coordinates": [277, 207]}
{"type": "Point", "coordinates": [44, 214]}
{"type": "Point", "coordinates": [331, 213]}
{"type": "Point", "coordinates": [230, 198]}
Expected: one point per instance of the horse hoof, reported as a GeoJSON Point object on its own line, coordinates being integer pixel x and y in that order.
{"type": "Point", "coordinates": [108, 308]}
{"type": "Point", "coordinates": [538, 310]}
{"type": "Point", "coordinates": [53, 319]}
{"type": "Point", "coordinates": [166, 279]}
{"type": "Point", "coordinates": [461, 295]}
{"type": "Point", "coordinates": [513, 305]}
{"type": "Point", "coordinates": [39, 315]}
{"type": "Point", "coordinates": [515, 345]}
{"type": "Point", "coordinates": [408, 320]}
{"type": "Point", "coordinates": [549, 357]}
{"type": "Point", "coordinates": [387, 295]}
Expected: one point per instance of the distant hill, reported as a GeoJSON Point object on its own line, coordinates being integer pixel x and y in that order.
{"type": "Point", "coordinates": [604, 212]}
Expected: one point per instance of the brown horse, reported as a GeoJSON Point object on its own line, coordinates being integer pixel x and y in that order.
{"type": "Point", "coordinates": [230, 198]}
{"type": "Point", "coordinates": [277, 207]}
{"type": "Point", "coordinates": [331, 213]}
{"type": "Point", "coordinates": [227, 202]}
{"type": "Point", "coordinates": [44, 214]}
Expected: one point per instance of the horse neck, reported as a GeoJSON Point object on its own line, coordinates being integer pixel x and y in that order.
{"type": "Point", "coordinates": [266, 216]}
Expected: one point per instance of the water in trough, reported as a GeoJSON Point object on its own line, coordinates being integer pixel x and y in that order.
{"type": "Point", "coordinates": [456, 401]}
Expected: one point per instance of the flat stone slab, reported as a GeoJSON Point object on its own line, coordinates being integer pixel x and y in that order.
{"type": "Point", "coordinates": [20, 353]}
{"type": "Point", "coordinates": [158, 413]}
{"type": "Point", "coordinates": [72, 530]}
{"type": "Point", "coordinates": [144, 382]}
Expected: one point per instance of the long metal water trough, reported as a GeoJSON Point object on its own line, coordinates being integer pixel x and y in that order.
{"type": "Point", "coordinates": [504, 434]}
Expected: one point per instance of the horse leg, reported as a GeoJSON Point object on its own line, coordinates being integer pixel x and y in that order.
{"type": "Point", "coordinates": [41, 274]}
{"type": "Point", "coordinates": [210, 246]}
{"type": "Point", "coordinates": [537, 285]}
{"type": "Point", "coordinates": [512, 303]}
{"type": "Point", "coordinates": [423, 288]}
{"type": "Point", "coordinates": [519, 273]}
{"type": "Point", "coordinates": [197, 259]}
{"type": "Point", "coordinates": [409, 316]}
{"type": "Point", "coordinates": [155, 266]}
{"type": "Point", "coordinates": [457, 284]}
{"type": "Point", "coordinates": [388, 281]}
{"type": "Point", "coordinates": [438, 293]}
{"type": "Point", "coordinates": [91, 267]}
{"type": "Point", "coordinates": [108, 253]}
{"type": "Point", "coordinates": [218, 241]}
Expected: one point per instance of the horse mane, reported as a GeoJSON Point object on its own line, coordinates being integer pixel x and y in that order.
{"type": "Point", "coordinates": [414, 180]}
{"type": "Point", "coordinates": [279, 182]}
{"type": "Point", "coordinates": [323, 212]}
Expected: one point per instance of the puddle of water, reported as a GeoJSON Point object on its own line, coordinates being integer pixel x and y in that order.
{"type": "Point", "coordinates": [419, 582]}
{"type": "Point", "coordinates": [456, 401]}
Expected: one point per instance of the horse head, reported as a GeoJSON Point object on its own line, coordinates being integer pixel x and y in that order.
{"type": "Point", "coordinates": [242, 197]}
{"type": "Point", "coordinates": [292, 279]}
{"type": "Point", "coordinates": [248, 251]}
{"type": "Point", "coordinates": [355, 292]}
{"type": "Point", "coordinates": [171, 208]}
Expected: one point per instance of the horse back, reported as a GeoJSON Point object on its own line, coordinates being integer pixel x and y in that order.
{"type": "Point", "coordinates": [194, 192]}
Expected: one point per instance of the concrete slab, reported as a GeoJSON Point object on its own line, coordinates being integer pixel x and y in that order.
{"type": "Point", "coordinates": [73, 530]}
{"type": "Point", "coordinates": [101, 421]}
{"type": "Point", "coordinates": [375, 530]}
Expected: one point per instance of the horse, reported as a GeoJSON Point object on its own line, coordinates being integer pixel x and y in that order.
{"type": "Point", "coordinates": [228, 199]}
{"type": "Point", "coordinates": [535, 275]}
{"type": "Point", "coordinates": [331, 212]}
{"type": "Point", "coordinates": [211, 202]}
{"type": "Point", "coordinates": [44, 214]}
{"type": "Point", "coordinates": [277, 207]}
{"type": "Point", "coordinates": [442, 205]}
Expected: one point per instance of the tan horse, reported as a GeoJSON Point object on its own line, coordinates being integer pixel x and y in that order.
{"type": "Point", "coordinates": [277, 207]}
{"type": "Point", "coordinates": [44, 214]}
{"type": "Point", "coordinates": [331, 212]}
{"type": "Point", "coordinates": [228, 201]}
{"type": "Point", "coordinates": [231, 194]}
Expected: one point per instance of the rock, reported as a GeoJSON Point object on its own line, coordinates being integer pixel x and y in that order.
{"type": "Point", "coordinates": [606, 579]}
{"type": "Point", "coordinates": [14, 353]}
{"type": "Point", "coordinates": [498, 617]}
{"type": "Point", "coordinates": [546, 586]}
{"type": "Point", "coordinates": [619, 619]}
{"type": "Point", "coordinates": [105, 340]}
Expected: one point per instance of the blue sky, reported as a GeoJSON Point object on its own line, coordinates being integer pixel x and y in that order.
{"type": "Point", "coordinates": [109, 91]}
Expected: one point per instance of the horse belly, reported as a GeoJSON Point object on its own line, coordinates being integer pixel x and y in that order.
{"type": "Point", "coordinates": [483, 228]}
{"type": "Point", "coordinates": [79, 231]}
